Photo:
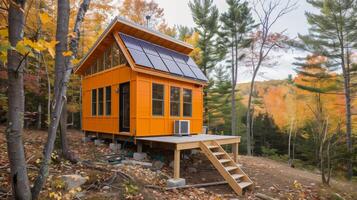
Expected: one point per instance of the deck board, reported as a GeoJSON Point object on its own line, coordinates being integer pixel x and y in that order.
{"type": "Point", "coordinates": [187, 139]}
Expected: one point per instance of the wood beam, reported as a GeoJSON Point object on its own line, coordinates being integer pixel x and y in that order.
{"type": "Point", "coordinates": [176, 164]}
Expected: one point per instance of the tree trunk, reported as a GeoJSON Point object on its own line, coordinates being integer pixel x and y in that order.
{"type": "Point", "coordinates": [348, 125]}
{"type": "Point", "coordinates": [39, 120]}
{"type": "Point", "coordinates": [233, 93]}
{"type": "Point", "coordinates": [249, 146]}
{"type": "Point", "coordinates": [16, 100]}
{"type": "Point", "coordinates": [60, 69]}
{"type": "Point", "coordinates": [60, 96]}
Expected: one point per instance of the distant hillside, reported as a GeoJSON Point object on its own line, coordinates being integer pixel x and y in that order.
{"type": "Point", "coordinates": [285, 102]}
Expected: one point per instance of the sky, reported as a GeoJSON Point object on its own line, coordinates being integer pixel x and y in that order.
{"type": "Point", "coordinates": [177, 12]}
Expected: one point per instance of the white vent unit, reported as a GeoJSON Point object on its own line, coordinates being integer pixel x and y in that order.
{"type": "Point", "coordinates": [182, 127]}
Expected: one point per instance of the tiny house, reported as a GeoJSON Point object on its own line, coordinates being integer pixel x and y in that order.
{"type": "Point", "coordinates": [138, 82]}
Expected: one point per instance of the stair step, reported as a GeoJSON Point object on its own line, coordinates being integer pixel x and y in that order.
{"type": "Point", "coordinates": [212, 146]}
{"type": "Point", "coordinates": [230, 168]}
{"type": "Point", "coordinates": [224, 160]}
{"type": "Point", "coordinates": [237, 176]}
{"type": "Point", "coordinates": [244, 184]}
{"type": "Point", "coordinates": [218, 153]}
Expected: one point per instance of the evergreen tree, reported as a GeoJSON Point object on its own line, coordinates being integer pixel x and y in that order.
{"type": "Point", "coordinates": [333, 34]}
{"type": "Point", "coordinates": [218, 99]}
{"type": "Point", "coordinates": [237, 23]}
{"type": "Point", "coordinates": [205, 15]}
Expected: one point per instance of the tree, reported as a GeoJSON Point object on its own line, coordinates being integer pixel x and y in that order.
{"type": "Point", "coordinates": [60, 95]}
{"type": "Point", "coordinates": [263, 42]}
{"type": "Point", "coordinates": [332, 34]}
{"type": "Point", "coordinates": [218, 99]}
{"type": "Point", "coordinates": [138, 10]}
{"type": "Point", "coordinates": [16, 99]}
{"type": "Point", "coordinates": [205, 15]}
{"type": "Point", "coordinates": [237, 23]}
{"type": "Point", "coordinates": [319, 82]}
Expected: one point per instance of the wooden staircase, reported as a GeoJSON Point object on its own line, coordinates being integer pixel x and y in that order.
{"type": "Point", "coordinates": [225, 165]}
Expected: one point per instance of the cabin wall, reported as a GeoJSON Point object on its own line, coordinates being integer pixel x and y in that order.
{"type": "Point", "coordinates": [111, 77]}
{"type": "Point", "coordinates": [149, 125]}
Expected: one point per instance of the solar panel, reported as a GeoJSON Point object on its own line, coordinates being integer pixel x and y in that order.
{"type": "Point", "coordinates": [131, 42]}
{"type": "Point", "coordinates": [186, 70]}
{"type": "Point", "coordinates": [149, 48]}
{"type": "Point", "coordinates": [172, 66]}
{"type": "Point", "coordinates": [157, 63]}
{"type": "Point", "coordinates": [154, 56]}
{"type": "Point", "coordinates": [164, 53]}
{"type": "Point", "coordinates": [179, 57]}
{"type": "Point", "coordinates": [199, 74]}
{"type": "Point", "coordinates": [140, 58]}
{"type": "Point", "coordinates": [191, 62]}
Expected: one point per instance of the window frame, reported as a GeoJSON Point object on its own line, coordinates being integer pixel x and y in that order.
{"type": "Point", "coordinates": [100, 103]}
{"type": "Point", "coordinates": [178, 102]}
{"type": "Point", "coordinates": [161, 100]}
{"type": "Point", "coordinates": [108, 112]}
{"type": "Point", "coordinates": [185, 103]}
{"type": "Point", "coordinates": [96, 101]}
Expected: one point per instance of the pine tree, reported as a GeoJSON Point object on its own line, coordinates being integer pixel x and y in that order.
{"type": "Point", "coordinates": [333, 34]}
{"type": "Point", "coordinates": [237, 23]}
{"type": "Point", "coordinates": [205, 15]}
{"type": "Point", "coordinates": [218, 99]}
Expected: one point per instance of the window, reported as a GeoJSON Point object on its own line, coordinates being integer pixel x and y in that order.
{"type": "Point", "coordinates": [108, 58]}
{"type": "Point", "coordinates": [116, 55]}
{"type": "Point", "coordinates": [187, 103]}
{"type": "Point", "coordinates": [94, 102]}
{"type": "Point", "coordinates": [100, 101]}
{"type": "Point", "coordinates": [157, 99]}
{"type": "Point", "coordinates": [100, 64]}
{"type": "Point", "coordinates": [175, 101]}
{"type": "Point", "coordinates": [108, 100]}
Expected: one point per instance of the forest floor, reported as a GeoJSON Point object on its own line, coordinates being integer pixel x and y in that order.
{"type": "Point", "coordinates": [118, 181]}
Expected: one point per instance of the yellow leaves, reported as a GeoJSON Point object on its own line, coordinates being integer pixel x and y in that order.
{"type": "Point", "coordinates": [55, 195]}
{"type": "Point", "coordinates": [4, 32]}
{"type": "Point", "coordinates": [67, 53]}
{"type": "Point", "coordinates": [37, 46]}
{"type": "Point", "coordinates": [45, 18]}
{"type": "Point", "coordinates": [75, 61]}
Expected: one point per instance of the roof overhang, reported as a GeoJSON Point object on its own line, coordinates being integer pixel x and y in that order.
{"type": "Point", "coordinates": [135, 30]}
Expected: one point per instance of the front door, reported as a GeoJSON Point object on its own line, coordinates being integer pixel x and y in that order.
{"type": "Point", "coordinates": [124, 107]}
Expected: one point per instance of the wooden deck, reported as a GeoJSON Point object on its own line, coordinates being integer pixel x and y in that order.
{"type": "Point", "coordinates": [178, 143]}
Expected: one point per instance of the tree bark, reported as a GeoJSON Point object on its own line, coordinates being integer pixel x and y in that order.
{"type": "Point", "coordinates": [60, 96]}
{"type": "Point", "coordinates": [16, 101]}
{"type": "Point", "coordinates": [59, 100]}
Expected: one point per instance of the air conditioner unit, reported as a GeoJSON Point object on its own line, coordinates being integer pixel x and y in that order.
{"type": "Point", "coordinates": [182, 127]}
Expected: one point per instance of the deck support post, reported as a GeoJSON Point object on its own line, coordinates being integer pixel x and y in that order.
{"type": "Point", "coordinates": [176, 164]}
{"type": "Point", "coordinates": [235, 152]}
{"type": "Point", "coordinates": [139, 147]}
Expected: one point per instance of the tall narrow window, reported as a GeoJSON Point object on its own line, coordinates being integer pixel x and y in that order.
{"type": "Point", "coordinates": [157, 99]}
{"type": "Point", "coordinates": [94, 102]}
{"type": "Point", "coordinates": [107, 58]}
{"type": "Point", "coordinates": [116, 55]}
{"type": "Point", "coordinates": [187, 103]}
{"type": "Point", "coordinates": [108, 100]}
{"type": "Point", "coordinates": [175, 101]}
{"type": "Point", "coordinates": [100, 101]}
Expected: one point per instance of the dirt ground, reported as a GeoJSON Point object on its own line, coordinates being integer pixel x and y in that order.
{"type": "Point", "coordinates": [117, 181]}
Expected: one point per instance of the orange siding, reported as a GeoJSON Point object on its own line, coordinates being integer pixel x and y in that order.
{"type": "Point", "coordinates": [148, 125]}
{"type": "Point", "coordinates": [111, 77]}
{"type": "Point", "coordinates": [142, 122]}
